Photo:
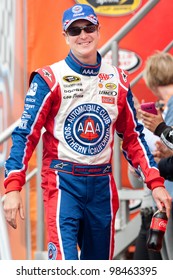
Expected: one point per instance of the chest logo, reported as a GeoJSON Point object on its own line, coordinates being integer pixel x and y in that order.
{"type": "Point", "coordinates": [87, 129]}
{"type": "Point", "coordinates": [71, 79]}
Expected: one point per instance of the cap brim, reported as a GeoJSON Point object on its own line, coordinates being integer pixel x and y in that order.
{"type": "Point", "coordinates": [70, 22]}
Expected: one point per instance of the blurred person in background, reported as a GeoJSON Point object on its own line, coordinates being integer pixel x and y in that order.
{"type": "Point", "coordinates": [81, 102]}
{"type": "Point", "coordinates": [158, 75]}
{"type": "Point", "coordinates": [164, 157]}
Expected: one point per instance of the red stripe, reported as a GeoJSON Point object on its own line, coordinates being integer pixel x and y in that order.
{"type": "Point", "coordinates": [114, 207]}
{"type": "Point", "coordinates": [51, 214]}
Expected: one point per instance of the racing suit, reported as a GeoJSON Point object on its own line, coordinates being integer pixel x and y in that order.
{"type": "Point", "coordinates": [81, 107]}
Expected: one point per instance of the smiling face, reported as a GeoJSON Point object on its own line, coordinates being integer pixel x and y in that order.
{"type": "Point", "coordinates": [84, 45]}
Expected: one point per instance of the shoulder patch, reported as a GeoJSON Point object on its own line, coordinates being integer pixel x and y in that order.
{"type": "Point", "coordinates": [123, 76]}
{"type": "Point", "coordinates": [47, 74]}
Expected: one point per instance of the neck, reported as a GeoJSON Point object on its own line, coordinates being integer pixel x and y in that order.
{"type": "Point", "coordinates": [92, 60]}
{"type": "Point", "coordinates": [81, 67]}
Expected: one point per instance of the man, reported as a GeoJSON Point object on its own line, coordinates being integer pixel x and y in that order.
{"type": "Point", "coordinates": [80, 101]}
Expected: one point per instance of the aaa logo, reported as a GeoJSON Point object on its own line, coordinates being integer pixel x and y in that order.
{"type": "Point", "coordinates": [87, 129]}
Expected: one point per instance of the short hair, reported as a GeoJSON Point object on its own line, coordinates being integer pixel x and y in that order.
{"type": "Point", "coordinates": [158, 70]}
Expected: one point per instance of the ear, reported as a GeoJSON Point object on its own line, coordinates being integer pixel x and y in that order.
{"type": "Point", "coordinates": [66, 37]}
{"type": "Point", "coordinates": [99, 30]}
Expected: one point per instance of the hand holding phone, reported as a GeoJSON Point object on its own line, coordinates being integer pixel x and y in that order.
{"type": "Point", "coordinates": [149, 108]}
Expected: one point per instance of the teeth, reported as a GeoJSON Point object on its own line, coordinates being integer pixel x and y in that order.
{"type": "Point", "coordinates": [85, 43]}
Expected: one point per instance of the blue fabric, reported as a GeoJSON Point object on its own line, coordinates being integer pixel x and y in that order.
{"type": "Point", "coordinates": [33, 100]}
{"type": "Point", "coordinates": [85, 208]}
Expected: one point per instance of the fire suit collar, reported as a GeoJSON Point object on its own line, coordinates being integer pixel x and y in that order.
{"type": "Point", "coordinates": [84, 69]}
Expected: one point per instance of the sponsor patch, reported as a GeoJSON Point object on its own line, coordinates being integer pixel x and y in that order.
{"type": "Point", "coordinates": [108, 100]}
{"type": "Point", "coordinates": [105, 77]}
{"type": "Point", "coordinates": [108, 92]}
{"type": "Point", "coordinates": [32, 90]}
{"type": "Point", "coordinates": [71, 79]}
{"type": "Point", "coordinates": [52, 251]}
{"type": "Point", "coordinates": [110, 86]}
{"type": "Point", "coordinates": [23, 124]}
{"type": "Point", "coordinates": [124, 76]}
{"type": "Point", "coordinates": [89, 72]}
{"type": "Point", "coordinates": [47, 74]}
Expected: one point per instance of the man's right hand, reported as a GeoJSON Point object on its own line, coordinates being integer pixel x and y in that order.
{"type": "Point", "coordinates": [12, 203]}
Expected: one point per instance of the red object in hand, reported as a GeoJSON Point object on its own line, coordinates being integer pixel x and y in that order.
{"type": "Point", "coordinates": [149, 108]}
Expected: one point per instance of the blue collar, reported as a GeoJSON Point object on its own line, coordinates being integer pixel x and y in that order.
{"type": "Point", "coordinates": [83, 69]}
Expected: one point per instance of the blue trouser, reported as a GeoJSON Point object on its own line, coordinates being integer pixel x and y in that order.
{"type": "Point", "coordinates": [82, 222]}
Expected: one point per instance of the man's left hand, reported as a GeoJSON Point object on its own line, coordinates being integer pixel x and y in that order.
{"type": "Point", "coordinates": [162, 198]}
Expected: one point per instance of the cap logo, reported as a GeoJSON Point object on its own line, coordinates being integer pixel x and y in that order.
{"type": "Point", "coordinates": [77, 9]}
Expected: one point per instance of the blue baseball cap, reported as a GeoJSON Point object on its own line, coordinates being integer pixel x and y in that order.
{"type": "Point", "coordinates": [77, 12]}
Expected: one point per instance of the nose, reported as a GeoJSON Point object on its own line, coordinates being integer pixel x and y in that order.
{"type": "Point", "coordinates": [83, 34]}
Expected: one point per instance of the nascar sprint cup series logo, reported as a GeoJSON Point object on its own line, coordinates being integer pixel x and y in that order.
{"type": "Point", "coordinates": [113, 7]}
{"type": "Point", "coordinates": [87, 129]}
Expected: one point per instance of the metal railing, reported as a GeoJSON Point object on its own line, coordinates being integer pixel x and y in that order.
{"type": "Point", "coordinates": [128, 26]}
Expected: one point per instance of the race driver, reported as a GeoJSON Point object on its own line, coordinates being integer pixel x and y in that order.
{"type": "Point", "coordinates": [81, 102]}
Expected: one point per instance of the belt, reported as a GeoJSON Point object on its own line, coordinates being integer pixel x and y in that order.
{"type": "Point", "coordinates": [81, 169]}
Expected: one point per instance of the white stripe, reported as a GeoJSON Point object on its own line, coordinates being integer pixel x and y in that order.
{"type": "Point", "coordinates": [111, 204]}
{"type": "Point", "coordinates": [57, 217]}
{"type": "Point", "coordinates": [138, 138]}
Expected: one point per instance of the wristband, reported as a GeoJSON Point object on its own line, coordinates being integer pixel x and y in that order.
{"type": "Point", "coordinates": [160, 128]}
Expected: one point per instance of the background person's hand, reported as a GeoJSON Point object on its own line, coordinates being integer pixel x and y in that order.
{"type": "Point", "coordinates": [161, 151]}
{"type": "Point", "coordinates": [151, 121]}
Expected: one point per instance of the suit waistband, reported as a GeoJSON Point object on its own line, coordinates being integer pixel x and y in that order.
{"type": "Point", "coordinates": [81, 169]}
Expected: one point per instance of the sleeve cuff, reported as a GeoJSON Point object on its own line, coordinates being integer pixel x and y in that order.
{"type": "Point", "coordinates": [158, 183]}
{"type": "Point", "coordinates": [160, 128]}
{"type": "Point", "coordinates": [13, 186]}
